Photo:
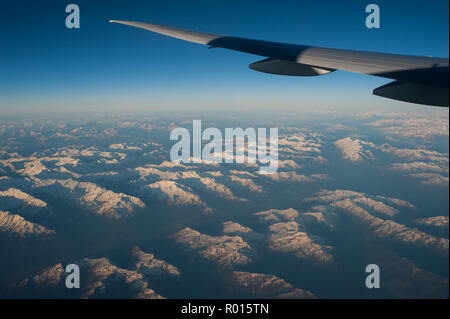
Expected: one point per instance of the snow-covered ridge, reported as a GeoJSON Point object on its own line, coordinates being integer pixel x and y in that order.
{"type": "Point", "coordinates": [18, 194]}
{"type": "Point", "coordinates": [17, 227]}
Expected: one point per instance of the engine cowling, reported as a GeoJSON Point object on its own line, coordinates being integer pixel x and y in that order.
{"type": "Point", "coordinates": [283, 67]}
{"type": "Point", "coordinates": [414, 93]}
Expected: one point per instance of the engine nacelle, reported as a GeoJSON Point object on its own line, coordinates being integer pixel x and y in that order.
{"type": "Point", "coordinates": [283, 67]}
{"type": "Point", "coordinates": [414, 93]}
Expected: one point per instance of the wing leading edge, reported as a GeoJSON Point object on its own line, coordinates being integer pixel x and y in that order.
{"type": "Point", "coordinates": [413, 74]}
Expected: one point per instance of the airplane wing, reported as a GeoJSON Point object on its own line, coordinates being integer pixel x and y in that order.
{"type": "Point", "coordinates": [422, 80]}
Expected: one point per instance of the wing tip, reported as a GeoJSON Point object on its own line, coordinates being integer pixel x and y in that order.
{"type": "Point", "coordinates": [119, 21]}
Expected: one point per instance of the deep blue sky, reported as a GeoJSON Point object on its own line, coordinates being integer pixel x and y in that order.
{"type": "Point", "coordinates": [104, 66]}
